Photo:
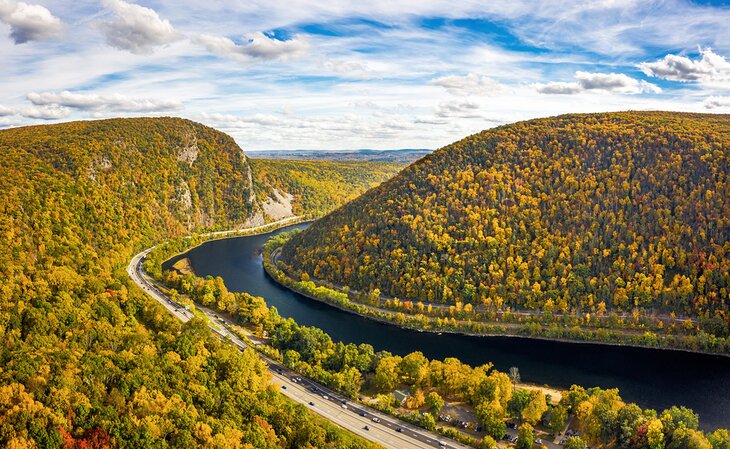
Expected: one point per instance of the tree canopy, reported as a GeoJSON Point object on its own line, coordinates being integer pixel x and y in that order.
{"type": "Point", "coordinates": [589, 215]}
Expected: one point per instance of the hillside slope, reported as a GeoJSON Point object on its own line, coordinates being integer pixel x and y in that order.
{"type": "Point", "coordinates": [86, 358]}
{"type": "Point", "coordinates": [596, 213]}
{"type": "Point", "coordinates": [313, 188]}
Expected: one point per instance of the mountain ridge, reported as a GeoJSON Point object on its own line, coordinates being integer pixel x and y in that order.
{"type": "Point", "coordinates": [588, 213]}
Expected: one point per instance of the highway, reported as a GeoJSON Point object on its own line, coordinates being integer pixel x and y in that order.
{"type": "Point", "coordinates": [369, 423]}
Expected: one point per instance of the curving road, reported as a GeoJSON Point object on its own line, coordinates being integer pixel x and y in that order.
{"type": "Point", "coordinates": [371, 424]}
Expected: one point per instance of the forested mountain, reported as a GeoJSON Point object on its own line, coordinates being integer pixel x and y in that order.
{"type": "Point", "coordinates": [304, 187]}
{"type": "Point", "coordinates": [86, 358]}
{"type": "Point", "coordinates": [583, 214]}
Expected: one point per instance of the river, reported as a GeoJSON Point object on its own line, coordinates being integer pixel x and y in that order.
{"type": "Point", "coordinates": [652, 378]}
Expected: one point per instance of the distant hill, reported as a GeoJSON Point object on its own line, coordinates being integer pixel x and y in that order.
{"type": "Point", "coordinates": [594, 213]}
{"type": "Point", "coordinates": [399, 156]}
{"type": "Point", "coordinates": [313, 188]}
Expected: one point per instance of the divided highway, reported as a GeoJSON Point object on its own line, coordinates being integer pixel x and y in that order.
{"type": "Point", "coordinates": [357, 418]}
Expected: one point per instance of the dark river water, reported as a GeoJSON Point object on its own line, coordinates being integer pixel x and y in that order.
{"type": "Point", "coordinates": [650, 377]}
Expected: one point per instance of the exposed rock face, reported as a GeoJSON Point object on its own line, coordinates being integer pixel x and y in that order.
{"type": "Point", "coordinates": [278, 207]}
{"type": "Point", "coordinates": [101, 163]}
{"type": "Point", "coordinates": [184, 197]}
{"type": "Point", "coordinates": [189, 152]}
{"type": "Point", "coordinates": [256, 220]}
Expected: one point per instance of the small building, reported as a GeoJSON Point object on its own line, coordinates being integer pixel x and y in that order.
{"type": "Point", "coordinates": [401, 395]}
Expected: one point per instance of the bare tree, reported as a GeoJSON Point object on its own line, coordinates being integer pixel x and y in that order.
{"type": "Point", "coordinates": [514, 374]}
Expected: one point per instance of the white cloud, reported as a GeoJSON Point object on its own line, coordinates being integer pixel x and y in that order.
{"type": "Point", "coordinates": [716, 102]}
{"type": "Point", "coordinates": [351, 69]}
{"type": "Point", "coordinates": [236, 121]}
{"type": "Point", "coordinates": [458, 109]}
{"type": "Point", "coordinates": [471, 84]}
{"type": "Point", "coordinates": [606, 82]}
{"type": "Point", "coordinates": [711, 69]}
{"type": "Point", "coordinates": [5, 111]}
{"type": "Point", "coordinates": [136, 29]}
{"type": "Point", "coordinates": [256, 46]}
{"type": "Point", "coordinates": [96, 102]}
{"type": "Point", "coordinates": [29, 22]}
{"type": "Point", "coordinates": [42, 112]}
{"type": "Point", "coordinates": [559, 88]}
{"type": "Point", "coordinates": [430, 121]}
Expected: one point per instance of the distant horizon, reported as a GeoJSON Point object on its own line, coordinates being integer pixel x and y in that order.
{"type": "Point", "coordinates": [338, 150]}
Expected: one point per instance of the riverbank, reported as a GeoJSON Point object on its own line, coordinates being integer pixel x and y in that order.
{"type": "Point", "coordinates": [338, 355]}
{"type": "Point", "coordinates": [183, 266]}
{"type": "Point", "coordinates": [170, 249]}
{"type": "Point", "coordinates": [647, 377]}
{"type": "Point", "coordinates": [421, 323]}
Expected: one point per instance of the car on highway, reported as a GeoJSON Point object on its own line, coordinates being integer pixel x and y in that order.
{"type": "Point", "coordinates": [283, 387]}
{"type": "Point", "coordinates": [376, 419]}
{"type": "Point", "coordinates": [311, 403]}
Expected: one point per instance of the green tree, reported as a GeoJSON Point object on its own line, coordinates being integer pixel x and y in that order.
{"type": "Point", "coordinates": [490, 419]}
{"type": "Point", "coordinates": [655, 434]}
{"type": "Point", "coordinates": [535, 407]}
{"type": "Point", "coordinates": [679, 417]}
{"type": "Point", "coordinates": [434, 402]}
{"type": "Point", "coordinates": [684, 438]}
{"type": "Point", "coordinates": [385, 378]}
{"type": "Point", "coordinates": [558, 416]}
{"type": "Point", "coordinates": [525, 436]}
{"type": "Point", "coordinates": [574, 443]}
{"type": "Point", "coordinates": [518, 402]}
{"type": "Point", "coordinates": [487, 443]}
{"type": "Point", "coordinates": [719, 439]}
{"type": "Point", "coordinates": [413, 368]}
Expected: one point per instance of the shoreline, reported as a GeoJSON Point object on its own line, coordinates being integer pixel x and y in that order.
{"type": "Point", "coordinates": [236, 233]}
{"type": "Point", "coordinates": [471, 334]}
{"type": "Point", "coordinates": [529, 384]}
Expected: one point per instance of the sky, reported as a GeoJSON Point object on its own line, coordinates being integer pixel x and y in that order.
{"type": "Point", "coordinates": [334, 74]}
